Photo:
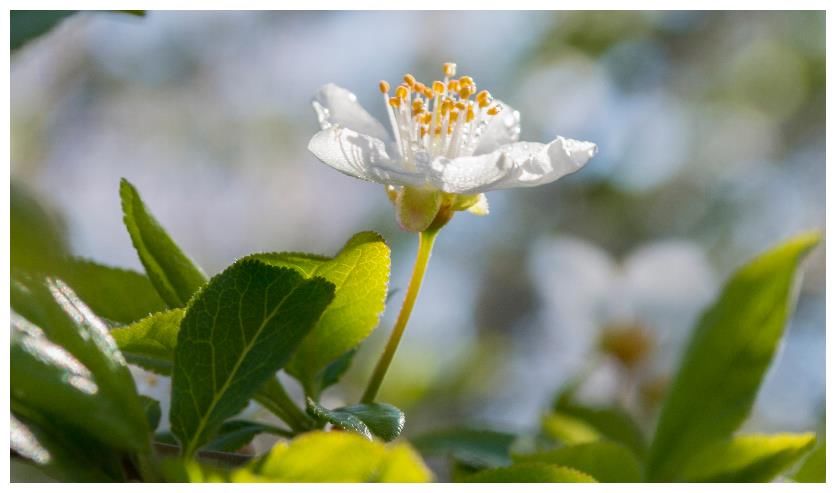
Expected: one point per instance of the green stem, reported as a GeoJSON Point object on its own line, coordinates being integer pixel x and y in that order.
{"type": "Point", "coordinates": [275, 399]}
{"type": "Point", "coordinates": [426, 240]}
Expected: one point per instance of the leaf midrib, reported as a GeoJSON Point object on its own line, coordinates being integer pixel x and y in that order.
{"type": "Point", "coordinates": [216, 395]}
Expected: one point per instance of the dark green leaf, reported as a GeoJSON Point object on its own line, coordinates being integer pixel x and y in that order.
{"type": "Point", "coordinates": [336, 457]}
{"type": "Point", "coordinates": [609, 422]}
{"type": "Point", "coordinates": [150, 342]}
{"type": "Point", "coordinates": [360, 273]}
{"type": "Point", "coordinates": [237, 333]}
{"type": "Point", "coordinates": [119, 295]}
{"type": "Point", "coordinates": [748, 458]}
{"type": "Point", "coordinates": [27, 25]}
{"type": "Point", "coordinates": [529, 473]}
{"type": "Point", "coordinates": [51, 381]}
{"type": "Point", "coordinates": [172, 273]}
{"type": "Point", "coordinates": [54, 450]}
{"type": "Point", "coordinates": [237, 433]}
{"type": "Point", "coordinates": [730, 350]}
{"type": "Point", "coordinates": [478, 448]}
{"type": "Point", "coordinates": [378, 419]}
{"type": "Point", "coordinates": [334, 371]}
{"type": "Point", "coordinates": [607, 462]}
{"type": "Point", "coordinates": [814, 467]}
{"type": "Point", "coordinates": [153, 413]}
{"type": "Point", "coordinates": [64, 326]}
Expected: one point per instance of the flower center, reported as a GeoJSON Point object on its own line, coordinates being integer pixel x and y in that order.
{"type": "Point", "coordinates": [438, 119]}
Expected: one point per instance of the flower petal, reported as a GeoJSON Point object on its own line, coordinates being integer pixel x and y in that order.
{"type": "Point", "coordinates": [335, 105]}
{"type": "Point", "coordinates": [502, 129]}
{"type": "Point", "coordinates": [521, 164]}
{"type": "Point", "coordinates": [360, 156]}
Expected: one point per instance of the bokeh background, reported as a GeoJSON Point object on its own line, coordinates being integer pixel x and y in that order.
{"type": "Point", "coordinates": [711, 132]}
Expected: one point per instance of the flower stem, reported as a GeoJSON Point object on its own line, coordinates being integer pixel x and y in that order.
{"type": "Point", "coordinates": [426, 239]}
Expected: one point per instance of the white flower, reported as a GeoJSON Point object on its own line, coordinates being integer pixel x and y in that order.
{"type": "Point", "coordinates": [639, 311]}
{"type": "Point", "coordinates": [445, 149]}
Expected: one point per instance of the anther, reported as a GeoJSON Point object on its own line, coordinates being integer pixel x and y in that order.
{"type": "Point", "coordinates": [383, 86]}
{"type": "Point", "coordinates": [395, 102]}
{"type": "Point", "coordinates": [409, 79]}
{"type": "Point", "coordinates": [438, 87]}
{"type": "Point", "coordinates": [494, 110]}
{"type": "Point", "coordinates": [401, 92]}
{"type": "Point", "coordinates": [465, 92]}
{"type": "Point", "coordinates": [466, 81]}
{"type": "Point", "coordinates": [483, 98]}
{"type": "Point", "coordinates": [453, 85]}
{"type": "Point", "coordinates": [449, 69]}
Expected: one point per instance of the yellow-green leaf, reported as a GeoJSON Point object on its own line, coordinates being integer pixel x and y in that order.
{"type": "Point", "coordinates": [360, 274]}
{"type": "Point", "coordinates": [337, 457]}
{"type": "Point", "coordinates": [150, 342]}
{"type": "Point", "coordinates": [748, 458]}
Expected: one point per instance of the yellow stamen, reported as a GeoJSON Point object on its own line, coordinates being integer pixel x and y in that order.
{"type": "Point", "coordinates": [383, 86]}
{"type": "Point", "coordinates": [409, 79]}
{"type": "Point", "coordinates": [401, 92]}
{"type": "Point", "coordinates": [471, 115]}
{"type": "Point", "coordinates": [449, 69]}
{"type": "Point", "coordinates": [466, 81]}
{"type": "Point", "coordinates": [453, 85]}
{"type": "Point", "coordinates": [438, 87]}
{"type": "Point", "coordinates": [483, 98]}
{"type": "Point", "coordinates": [494, 110]}
{"type": "Point", "coordinates": [395, 102]}
{"type": "Point", "coordinates": [465, 92]}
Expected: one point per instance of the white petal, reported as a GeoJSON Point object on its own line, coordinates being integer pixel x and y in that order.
{"type": "Point", "coordinates": [360, 156]}
{"type": "Point", "coordinates": [335, 105]}
{"type": "Point", "coordinates": [521, 164]}
{"type": "Point", "coordinates": [502, 129]}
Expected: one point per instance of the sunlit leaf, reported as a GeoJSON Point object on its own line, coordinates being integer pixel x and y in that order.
{"type": "Point", "coordinates": [150, 342]}
{"type": "Point", "coordinates": [236, 334]}
{"type": "Point", "coordinates": [609, 423]}
{"type": "Point", "coordinates": [748, 458]}
{"type": "Point", "coordinates": [360, 273]}
{"type": "Point", "coordinates": [569, 430]}
{"type": "Point", "coordinates": [729, 352]}
{"type": "Point", "coordinates": [337, 457]}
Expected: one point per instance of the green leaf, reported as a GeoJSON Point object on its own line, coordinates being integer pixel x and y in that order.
{"type": "Point", "coordinates": [729, 352]}
{"type": "Point", "coordinates": [529, 473]}
{"type": "Point", "coordinates": [153, 413]}
{"type": "Point", "coordinates": [56, 452]}
{"type": "Point", "coordinates": [378, 419]}
{"type": "Point", "coordinates": [238, 331]}
{"type": "Point", "coordinates": [747, 458]}
{"type": "Point", "coordinates": [334, 371]}
{"type": "Point", "coordinates": [37, 236]}
{"type": "Point", "coordinates": [336, 457]}
{"type": "Point", "coordinates": [360, 273]}
{"type": "Point", "coordinates": [607, 462]}
{"type": "Point", "coordinates": [237, 433]}
{"type": "Point", "coordinates": [64, 326]}
{"type": "Point", "coordinates": [813, 470]}
{"type": "Point", "coordinates": [49, 380]}
{"type": "Point", "coordinates": [608, 422]}
{"type": "Point", "coordinates": [119, 295]}
{"type": "Point", "coordinates": [172, 273]}
{"type": "Point", "coordinates": [569, 430]}
{"type": "Point", "coordinates": [27, 25]}
{"type": "Point", "coordinates": [477, 448]}
{"type": "Point", "coordinates": [150, 342]}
